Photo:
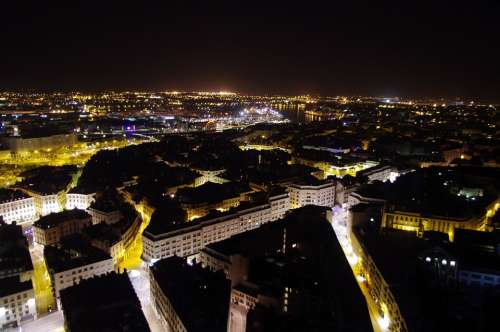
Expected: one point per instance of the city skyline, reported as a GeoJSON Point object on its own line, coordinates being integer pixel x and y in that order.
{"type": "Point", "coordinates": [390, 49]}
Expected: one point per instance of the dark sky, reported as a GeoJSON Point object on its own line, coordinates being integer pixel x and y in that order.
{"type": "Point", "coordinates": [405, 48]}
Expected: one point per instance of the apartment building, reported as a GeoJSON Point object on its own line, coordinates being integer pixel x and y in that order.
{"type": "Point", "coordinates": [311, 191]}
{"type": "Point", "coordinates": [187, 239]}
{"type": "Point", "coordinates": [51, 228]}
{"type": "Point", "coordinates": [17, 206]}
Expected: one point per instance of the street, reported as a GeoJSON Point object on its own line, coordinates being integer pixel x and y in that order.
{"type": "Point", "coordinates": [339, 224]}
{"type": "Point", "coordinates": [53, 322]}
{"type": "Point", "coordinates": [140, 280]}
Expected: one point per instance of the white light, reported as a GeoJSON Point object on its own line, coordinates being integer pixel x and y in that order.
{"type": "Point", "coordinates": [134, 273]}
{"type": "Point", "coordinates": [452, 263]}
{"type": "Point", "coordinates": [444, 262]}
{"type": "Point", "coordinates": [384, 322]}
{"type": "Point", "coordinates": [427, 259]}
{"type": "Point", "coordinates": [360, 278]}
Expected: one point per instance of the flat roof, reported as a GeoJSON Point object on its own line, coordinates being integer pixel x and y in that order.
{"type": "Point", "coordinates": [54, 219]}
{"type": "Point", "coordinates": [103, 303]}
{"type": "Point", "coordinates": [72, 253]}
{"type": "Point", "coordinates": [13, 285]}
{"type": "Point", "coordinates": [9, 195]}
{"type": "Point", "coordinates": [199, 296]}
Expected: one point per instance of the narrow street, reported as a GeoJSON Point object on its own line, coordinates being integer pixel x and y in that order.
{"type": "Point", "coordinates": [140, 280]}
{"type": "Point", "coordinates": [339, 224]}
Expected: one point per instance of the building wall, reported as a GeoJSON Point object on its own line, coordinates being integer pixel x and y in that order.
{"type": "Point", "coordinates": [199, 210]}
{"type": "Point", "coordinates": [377, 287]}
{"type": "Point", "coordinates": [79, 201]}
{"type": "Point", "coordinates": [52, 235]}
{"type": "Point", "coordinates": [17, 307]}
{"type": "Point", "coordinates": [415, 222]}
{"type": "Point", "coordinates": [21, 210]}
{"type": "Point", "coordinates": [477, 278]}
{"type": "Point", "coordinates": [168, 317]}
{"type": "Point", "coordinates": [105, 217]}
{"type": "Point", "coordinates": [68, 278]}
{"type": "Point", "coordinates": [323, 195]}
{"type": "Point", "coordinates": [190, 241]}
{"type": "Point", "coordinates": [19, 144]}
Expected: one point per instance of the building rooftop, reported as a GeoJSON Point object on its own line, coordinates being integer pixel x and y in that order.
{"type": "Point", "coordinates": [72, 252]}
{"type": "Point", "coordinates": [164, 221]}
{"type": "Point", "coordinates": [310, 261]}
{"type": "Point", "coordinates": [211, 193]}
{"type": "Point", "coordinates": [47, 180]}
{"type": "Point", "coordinates": [12, 285]}
{"type": "Point", "coordinates": [54, 219]}
{"type": "Point", "coordinates": [310, 180]}
{"type": "Point", "coordinates": [9, 195]}
{"type": "Point", "coordinates": [104, 303]}
{"type": "Point", "coordinates": [395, 253]}
{"type": "Point", "coordinates": [14, 254]}
{"type": "Point", "coordinates": [104, 233]}
{"type": "Point", "coordinates": [199, 296]}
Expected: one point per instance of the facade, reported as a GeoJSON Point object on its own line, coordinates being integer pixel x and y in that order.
{"type": "Point", "coordinates": [356, 198]}
{"type": "Point", "coordinates": [197, 210]}
{"type": "Point", "coordinates": [69, 264]}
{"type": "Point", "coordinates": [319, 193]}
{"type": "Point", "coordinates": [108, 217]}
{"type": "Point", "coordinates": [47, 203]}
{"type": "Point", "coordinates": [378, 173]}
{"type": "Point", "coordinates": [343, 189]}
{"type": "Point", "coordinates": [469, 277]}
{"type": "Point", "coordinates": [17, 302]}
{"type": "Point", "coordinates": [390, 315]}
{"type": "Point", "coordinates": [190, 238]}
{"type": "Point", "coordinates": [79, 201]}
{"type": "Point", "coordinates": [51, 228]}
{"type": "Point", "coordinates": [18, 144]}
{"type": "Point", "coordinates": [418, 223]}
{"type": "Point", "coordinates": [17, 206]}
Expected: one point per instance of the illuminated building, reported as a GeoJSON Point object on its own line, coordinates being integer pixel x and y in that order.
{"type": "Point", "coordinates": [114, 238]}
{"type": "Point", "coordinates": [211, 196]}
{"type": "Point", "coordinates": [209, 176]}
{"type": "Point", "coordinates": [18, 144]}
{"type": "Point", "coordinates": [389, 316]}
{"type": "Point", "coordinates": [311, 191]}
{"type": "Point", "coordinates": [187, 239]}
{"type": "Point", "coordinates": [104, 213]}
{"type": "Point", "coordinates": [344, 188]}
{"type": "Point", "coordinates": [378, 173]}
{"type": "Point", "coordinates": [80, 201]}
{"type": "Point", "coordinates": [189, 298]}
{"type": "Point", "coordinates": [420, 222]}
{"type": "Point", "coordinates": [47, 203]}
{"type": "Point", "coordinates": [17, 206]}
{"type": "Point", "coordinates": [17, 302]}
{"type": "Point", "coordinates": [17, 298]}
{"type": "Point", "coordinates": [74, 261]}
{"type": "Point", "coordinates": [51, 228]}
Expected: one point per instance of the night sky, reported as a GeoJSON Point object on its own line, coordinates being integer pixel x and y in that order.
{"type": "Point", "coordinates": [403, 48]}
